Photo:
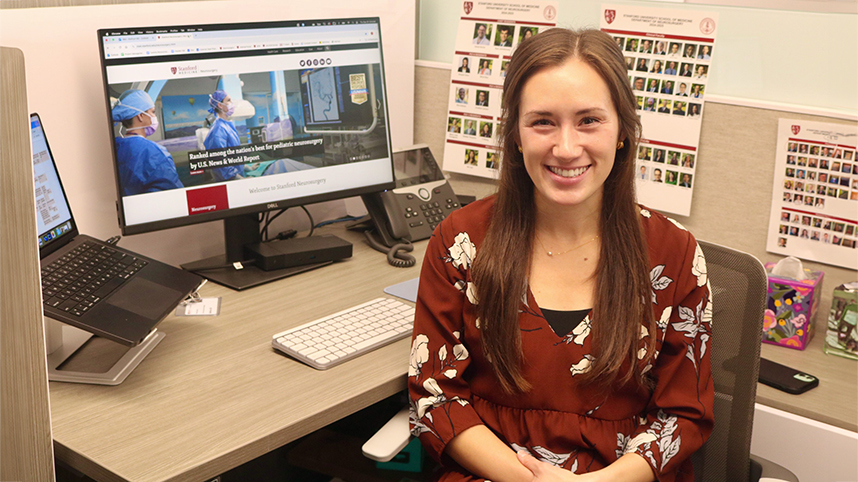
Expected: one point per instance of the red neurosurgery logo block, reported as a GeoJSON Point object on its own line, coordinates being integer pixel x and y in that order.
{"type": "Point", "coordinates": [207, 200]}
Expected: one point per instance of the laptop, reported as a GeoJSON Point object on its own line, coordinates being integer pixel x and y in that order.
{"type": "Point", "coordinates": [87, 283]}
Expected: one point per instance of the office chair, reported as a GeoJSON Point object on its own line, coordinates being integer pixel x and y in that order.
{"type": "Point", "coordinates": [739, 289]}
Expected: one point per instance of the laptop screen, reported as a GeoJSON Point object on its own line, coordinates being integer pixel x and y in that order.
{"type": "Point", "coordinates": [52, 210]}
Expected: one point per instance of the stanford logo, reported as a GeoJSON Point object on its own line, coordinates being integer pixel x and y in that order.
{"type": "Point", "coordinates": [468, 7]}
{"type": "Point", "coordinates": [796, 130]}
{"type": "Point", "coordinates": [610, 16]}
{"type": "Point", "coordinates": [173, 70]}
{"type": "Point", "coordinates": [549, 13]}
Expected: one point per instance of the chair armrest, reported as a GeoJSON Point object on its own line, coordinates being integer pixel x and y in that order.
{"type": "Point", "coordinates": [390, 439]}
{"type": "Point", "coordinates": [773, 472]}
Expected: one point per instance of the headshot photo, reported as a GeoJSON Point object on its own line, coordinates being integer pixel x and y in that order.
{"type": "Point", "coordinates": [802, 161]}
{"type": "Point", "coordinates": [454, 125]}
{"type": "Point", "coordinates": [658, 156]}
{"type": "Point", "coordinates": [792, 146]}
{"type": "Point", "coordinates": [790, 160]}
{"type": "Point", "coordinates": [673, 158]}
{"type": "Point", "coordinates": [685, 71]}
{"type": "Point", "coordinates": [674, 51]}
{"type": "Point", "coordinates": [694, 110]}
{"type": "Point", "coordinates": [814, 150]}
{"type": "Point", "coordinates": [646, 46]}
{"type": "Point", "coordinates": [639, 84]}
{"type": "Point", "coordinates": [471, 157]}
{"type": "Point", "coordinates": [503, 38]}
{"type": "Point", "coordinates": [679, 108]}
{"type": "Point", "coordinates": [464, 65]}
{"type": "Point", "coordinates": [835, 166]}
{"type": "Point", "coordinates": [670, 68]}
{"type": "Point", "coordinates": [485, 67]}
{"type": "Point", "coordinates": [632, 45]}
{"type": "Point", "coordinates": [664, 106]}
{"type": "Point", "coordinates": [642, 65]}
{"type": "Point", "coordinates": [682, 90]}
{"type": "Point", "coordinates": [525, 33]}
{"type": "Point", "coordinates": [461, 95]}
{"type": "Point", "coordinates": [639, 101]}
{"type": "Point", "coordinates": [701, 71]}
{"type": "Point", "coordinates": [688, 161]}
{"type": "Point", "coordinates": [482, 32]}
{"type": "Point", "coordinates": [630, 63]}
{"type": "Point", "coordinates": [705, 53]}
{"type": "Point", "coordinates": [823, 164]}
{"type": "Point", "coordinates": [649, 104]}
{"type": "Point", "coordinates": [667, 87]}
{"type": "Point", "coordinates": [685, 180]}
{"type": "Point", "coordinates": [670, 177]}
{"type": "Point", "coordinates": [485, 129]}
{"type": "Point", "coordinates": [642, 173]}
{"type": "Point", "coordinates": [802, 148]}
{"type": "Point", "coordinates": [656, 175]}
{"type": "Point", "coordinates": [470, 128]}
{"type": "Point", "coordinates": [782, 242]}
{"type": "Point", "coordinates": [847, 155]}
{"type": "Point", "coordinates": [644, 153]}
{"type": "Point", "coordinates": [697, 91]}
{"type": "Point", "coordinates": [660, 48]}
{"type": "Point", "coordinates": [491, 160]}
{"type": "Point", "coordinates": [483, 98]}
{"type": "Point", "coordinates": [689, 51]}
{"type": "Point", "coordinates": [652, 86]}
{"type": "Point", "coordinates": [812, 162]}
{"type": "Point", "coordinates": [657, 68]}
{"type": "Point", "coordinates": [621, 42]}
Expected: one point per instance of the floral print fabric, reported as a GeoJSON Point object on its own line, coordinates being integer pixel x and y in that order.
{"type": "Point", "coordinates": [560, 422]}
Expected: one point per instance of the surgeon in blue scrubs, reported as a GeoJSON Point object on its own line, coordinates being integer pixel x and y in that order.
{"type": "Point", "coordinates": [223, 133]}
{"type": "Point", "coordinates": [144, 165]}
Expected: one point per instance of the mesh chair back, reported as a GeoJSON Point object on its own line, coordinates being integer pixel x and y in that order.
{"type": "Point", "coordinates": [739, 287]}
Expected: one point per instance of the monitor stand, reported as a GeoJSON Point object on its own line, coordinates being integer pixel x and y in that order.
{"type": "Point", "coordinates": [63, 341]}
{"type": "Point", "coordinates": [240, 231]}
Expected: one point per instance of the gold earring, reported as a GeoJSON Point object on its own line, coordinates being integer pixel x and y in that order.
{"type": "Point", "coordinates": [620, 145]}
{"type": "Point", "coordinates": [519, 149]}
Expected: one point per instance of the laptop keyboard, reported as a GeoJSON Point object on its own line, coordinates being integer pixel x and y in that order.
{"type": "Point", "coordinates": [78, 280]}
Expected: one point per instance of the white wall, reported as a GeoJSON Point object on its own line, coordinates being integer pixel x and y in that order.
{"type": "Point", "coordinates": [64, 85]}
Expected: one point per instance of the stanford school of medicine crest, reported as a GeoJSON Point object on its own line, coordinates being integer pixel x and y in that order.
{"type": "Point", "coordinates": [707, 26]}
{"type": "Point", "coordinates": [549, 13]}
{"type": "Point", "coordinates": [610, 16]}
{"type": "Point", "coordinates": [468, 7]}
{"type": "Point", "coordinates": [173, 70]}
{"type": "Point", "coordinates": [796, 130]}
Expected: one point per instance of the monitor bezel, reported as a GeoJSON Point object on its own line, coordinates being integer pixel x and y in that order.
{"type": "Point", "coordinates": [189, 220]}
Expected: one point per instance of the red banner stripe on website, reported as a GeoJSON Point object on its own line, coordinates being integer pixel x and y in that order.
{"type": "Point", "coordinates": [668, 144]}
{"type": "Point", "coordinates": [477, 84]}
{"type": "Point", "coordinates": [820, 215]}
{"type": "Point", "coordinates": [484, 146]}
{"type": "Point", "coordinates": [475, 116]}
{"type": "Point", "coordinates": [793, 139]}
{"type": "Point", "coordinates": [207, 199]}
{"type": "Point", "coordinates": [477, 54]}
{"type": "Point", "coordinates": [659, 35]}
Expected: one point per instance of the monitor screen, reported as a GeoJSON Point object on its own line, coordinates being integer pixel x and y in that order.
{"type": "Point", "coordinates": [214, 121]}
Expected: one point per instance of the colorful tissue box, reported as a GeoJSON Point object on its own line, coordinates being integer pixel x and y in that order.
{"type": "Point", "coordinates": [791, 309]}
{"type": "Point", "coordinates": [841, 337]}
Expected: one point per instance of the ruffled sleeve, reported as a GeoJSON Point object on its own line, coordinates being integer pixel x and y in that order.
{"type": "Point", "coordinates": [678, 418]}
{"type": "Point", "coordinates": [439, 395]}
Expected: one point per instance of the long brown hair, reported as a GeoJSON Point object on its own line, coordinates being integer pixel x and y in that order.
{"type": "Point", "coordinates": [501, 267]}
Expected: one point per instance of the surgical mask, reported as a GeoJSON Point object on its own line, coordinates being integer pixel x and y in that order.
{"type": "Point", "coordinates": [230, 109]}
{"type": "Point", "coordinates": [151, 128]}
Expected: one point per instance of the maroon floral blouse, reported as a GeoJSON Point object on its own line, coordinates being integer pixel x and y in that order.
{"type": "Point", "coordinates": [452, 387]}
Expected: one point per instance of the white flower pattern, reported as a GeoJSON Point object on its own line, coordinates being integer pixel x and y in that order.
{"type": "Point", "coordinates": [462, 252]}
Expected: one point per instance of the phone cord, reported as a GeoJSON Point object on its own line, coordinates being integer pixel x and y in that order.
{"type": "Point", "coordinates": [397, 255]}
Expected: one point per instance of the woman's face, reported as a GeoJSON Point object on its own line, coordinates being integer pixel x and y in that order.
{"type": "Point", "coordinates": [568, 130]}
{"type": "Point", "coordinates": [528, 33]}
{"type": "Point", "coordinates": [657, 64]}
{"type": "Point", "coordinates": [689, 50]}
{"type": "Point", "coordinates": [701, 70]}
{"type": "Point", "coordinates": [465, 62]}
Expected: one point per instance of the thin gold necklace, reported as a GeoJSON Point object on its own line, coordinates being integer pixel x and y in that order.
{"type": "Point", "coordinates": [551, 253]}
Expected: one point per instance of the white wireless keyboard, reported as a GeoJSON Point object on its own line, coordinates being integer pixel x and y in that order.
{"type": "Point", "coordinates": [342, 336]}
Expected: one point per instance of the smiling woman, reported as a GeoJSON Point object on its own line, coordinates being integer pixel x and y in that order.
{"type": "Point", "coordinates": [580, 318]}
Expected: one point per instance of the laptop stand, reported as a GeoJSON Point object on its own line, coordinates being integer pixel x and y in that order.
{"type": "Point", "coordinates": [71, 339]}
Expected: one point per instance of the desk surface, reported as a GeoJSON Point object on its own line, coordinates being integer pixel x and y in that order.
{"type": "Point", "coordinates": [214, 394]}
{"type": "Point", "coordinates": [835, 400]}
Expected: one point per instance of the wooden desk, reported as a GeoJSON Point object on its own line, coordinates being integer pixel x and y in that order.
{"type": "Point", "coordinates": [835, 400]}
{"type": "Point", "coordinates": [214, 394]}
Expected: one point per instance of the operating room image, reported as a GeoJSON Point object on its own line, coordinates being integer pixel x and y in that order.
{"type": "Point", "coordinates": [177, 133]}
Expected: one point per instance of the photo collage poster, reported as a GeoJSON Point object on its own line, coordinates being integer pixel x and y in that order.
{"type": "Point", "coordinates": [668, 56]}
{"type": "Point", "coordinates": [815, 196]}
{"type": "Point", "coordinates": [488, 33]}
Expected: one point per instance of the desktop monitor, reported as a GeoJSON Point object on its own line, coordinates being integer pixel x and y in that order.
{"type": "Point", "coordinates": [227, 121]}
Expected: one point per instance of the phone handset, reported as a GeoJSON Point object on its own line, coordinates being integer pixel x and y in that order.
{"type": "Point", "coordinates": [391, 227]}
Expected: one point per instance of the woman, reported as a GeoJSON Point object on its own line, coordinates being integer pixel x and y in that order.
{"type": "Point", "coordinates": [656, 67]}
{"type": "Point", "coordinates": [485, 67]}
{"type": "Point", "coordinates": [465, 67]}
{"type": "Point", "coordinates": [518, 346]}
{"type": "Point", "coordinates": [223, 133]}
{"type": "Point", "coordinates": [696, 91]}
{"type": "Point", "coordinates": [642, 65]}
{"type": "Point", "coordinates": [143, 165]}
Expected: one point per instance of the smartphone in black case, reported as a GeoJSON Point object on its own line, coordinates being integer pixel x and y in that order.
{"type": "Point", "coordinates": [785, 378]}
